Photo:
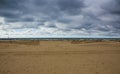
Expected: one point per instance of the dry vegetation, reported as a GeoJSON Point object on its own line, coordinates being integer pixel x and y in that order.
{"type": "Point", "coordinates": [85, 41]}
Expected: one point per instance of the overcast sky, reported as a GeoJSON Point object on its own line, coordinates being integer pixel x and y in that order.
{"type": "Point", "coordinates": [59, 18]}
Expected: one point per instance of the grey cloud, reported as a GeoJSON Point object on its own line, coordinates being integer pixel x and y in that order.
{"type": "Point", "coordinates": [78, 15]}
{"type": "Point", "coordinates": [41, 8]}
{"type": "Point", "coordinates": [113, 7]}
{"type": "Point", "coordinates": [11, 4]}
{"type": "Point", "coordinates": [8, 20]}
{"type": "Point", "coordinates": [63, 20]}
{"type": "Point", "coordinates": [71, 7]}
{"type": "Point", "coordinates": [9, 14]}
{"type": "Point", "coordinates": [12, 9]}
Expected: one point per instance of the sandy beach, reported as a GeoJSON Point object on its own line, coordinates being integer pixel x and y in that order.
{"type": "Point", "coordinates": [59, 57]}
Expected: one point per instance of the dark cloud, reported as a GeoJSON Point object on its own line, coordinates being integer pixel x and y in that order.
{"type": "Point", "coordinates": [9, 14]}
{"type": "Point", "coordinates": [43, 8]}
{"type": "Point", "coordinates": [28, 19]}
{"type": "Point", "coordinates": [40, 2]}
{"type": "Point", "coordinates": [11, 4]}
{"type": "Point", "coordinates": [64, 15]}
{"type": "Point", "coordinates": [114, 7]}
{"type": "Point", "coordinates": [12, 9]}
{"type": "Point", "coordinates": [71, 7]}
{"type": "Point", "coordinates": [51, 8]}
{"type": "Point", "coordinates": [63, 20]}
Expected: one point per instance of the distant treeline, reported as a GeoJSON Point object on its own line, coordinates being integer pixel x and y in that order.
{"type": "Point", "coordinates": [99, 39]}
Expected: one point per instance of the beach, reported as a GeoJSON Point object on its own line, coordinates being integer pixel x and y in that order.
{"type": "Point", "coordinates": [59, 57]}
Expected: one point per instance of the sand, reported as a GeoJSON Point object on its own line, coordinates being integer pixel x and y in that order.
{"type": "Point", "coordinates": [59, 57]}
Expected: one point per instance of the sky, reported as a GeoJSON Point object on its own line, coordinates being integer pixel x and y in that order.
{"type": "Point", "coordinates": [59, 18]}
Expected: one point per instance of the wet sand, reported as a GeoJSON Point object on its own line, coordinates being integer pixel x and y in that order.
{"type": "Point", "coordinates": [59, 57]}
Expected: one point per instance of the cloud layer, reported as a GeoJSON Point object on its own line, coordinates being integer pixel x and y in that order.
{"type": "Point", "coordinates": [56, 18]}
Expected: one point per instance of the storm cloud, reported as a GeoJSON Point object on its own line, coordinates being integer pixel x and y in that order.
{"type": "Point", "coordinates": [60, 17]}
